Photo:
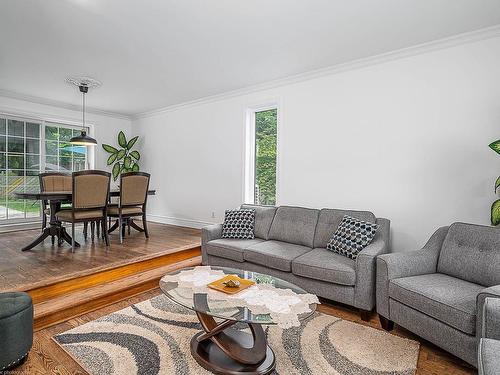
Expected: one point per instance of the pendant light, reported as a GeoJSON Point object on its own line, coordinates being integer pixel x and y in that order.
{"type": "Point", "coordinates": [83, 83]}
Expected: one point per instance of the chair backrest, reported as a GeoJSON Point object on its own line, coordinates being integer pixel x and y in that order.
{"type": "Point", "coordinates": [471, 252]}
{"type": "Point", "coordinates": [134, 188]}
{"type": "Point", "coordinates": [55, 181]}
{"type": "Point", "coordinates": [90, 189]}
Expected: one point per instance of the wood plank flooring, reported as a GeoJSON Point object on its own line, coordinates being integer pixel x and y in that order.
{"type": "Point", "coordinates": [46, 263]}
{"type": "Point", "coordinates": [47, 357]}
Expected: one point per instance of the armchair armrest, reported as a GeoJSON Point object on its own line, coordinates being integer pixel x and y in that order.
{"type": "Point", "coordinates": [488, 313]}
{"type": "Point", "coordinates": [209, 233]}
{"type": "Point", "coordinates": [397, 265]}
{"type": "Point", "coordinates": [364, 290]}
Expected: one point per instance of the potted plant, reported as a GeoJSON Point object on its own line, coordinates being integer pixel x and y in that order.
{"type": "Point", "coordinates": [123, 158]}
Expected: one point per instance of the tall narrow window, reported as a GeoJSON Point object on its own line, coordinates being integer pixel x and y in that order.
{"type": "Point", "coordinates": [265, 126]}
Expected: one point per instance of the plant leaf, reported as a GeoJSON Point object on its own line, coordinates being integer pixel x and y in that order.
{"type": "Point", "coordinates": [135, 154]}
{"type": "Point", "coordinates": [495, 212]}
{"type": "Point", "coordinates": [495, 146]}
{"type": "Point", "coordinates": [116, 171]}
{"type": "Point", "coordinates": [120, 155]}
{"type": "Point", "coordinates": [127, 162]}
{"type": "Point", "coordinates": [497, 184]}
{"type": "Point", "coordinates": [135, 168]}
{"type": "Point", "coordinates": [131, 143]}
{"type": "Point", "coordinates": [109, 148]}
{"type": "Point", "coordinates": [122, 141]}
{"type": "Point", "coordinates": [112, 158]}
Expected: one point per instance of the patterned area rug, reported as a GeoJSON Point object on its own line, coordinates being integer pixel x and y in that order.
{"type": "Point", "coordinates": [153, 337]}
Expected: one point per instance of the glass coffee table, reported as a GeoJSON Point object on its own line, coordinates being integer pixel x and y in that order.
{"type": "Point", "coordinates": [221, 347]}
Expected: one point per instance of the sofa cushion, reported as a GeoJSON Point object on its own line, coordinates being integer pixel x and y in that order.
{"type": "Point", "coordinates": [239, 224]}
{"type": "Point", "coordinates": [445, 298]}
{"type": "Point", "coordinates": [324, 265]}
{"type": "Point", "coordinates": [471, 252]}
{"type": "Point", "coordinates": [230, 248]}
{"type": "Point", "coordinates": [274, 254]}
{"type": "Point", "coordinates": [263, 218]}
{"type": "Point", "coordinates": [294, 225]}
{"type": "Point", "coordinates": [488, 359]}
{"type": "Point", "coordinates": [329, 220]}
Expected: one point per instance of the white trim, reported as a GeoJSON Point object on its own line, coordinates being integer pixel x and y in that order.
{"type": "Point", "coordinates": [181, 222]}
{"type": "Point", "coordinates": [60, 104]}
{"type": "Point", "coordinates": [452, 41]}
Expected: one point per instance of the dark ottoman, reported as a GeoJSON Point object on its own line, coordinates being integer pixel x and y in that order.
{"type": "Point", "coordinates": [16, 328]}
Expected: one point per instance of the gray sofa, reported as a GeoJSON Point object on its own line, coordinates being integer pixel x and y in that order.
{"type": "Point", "coordinates": [290, 243]}
{"type": "Point", "coordinates": [438, 292]}
{"type": "Point", "coordinates": [489, 346]}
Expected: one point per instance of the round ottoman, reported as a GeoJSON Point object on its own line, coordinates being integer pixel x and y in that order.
{"type": "Point", "coordinates": [16, 328]}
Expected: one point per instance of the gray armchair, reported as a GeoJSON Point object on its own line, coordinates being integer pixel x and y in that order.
{"type": "Point", "coordinates": [439, 292]}
{"type": "Point", "coordinates": [489, 345]}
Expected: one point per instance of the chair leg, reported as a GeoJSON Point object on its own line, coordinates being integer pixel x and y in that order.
{"type": "Point", "coordinates": [44, 221]}
{"type": "Point", "coordinates": [386, 324]}
{"type": "Point", "coordinates": [92, 230]}
{"type": "Point", "coordinates": [128, 226]}
{"type": "Point", "coordinates": [120, 228]}
{"type": "Point", "coordinates": [98, 228]}
{"type": "Point", "coordinates": [85, 230]}
{"type": "Point", "coordinates": [73, 237]}
{"type": "Point", "coordinates": [105, 232]}
{"type": "Point", "coordinates": [145, 226]}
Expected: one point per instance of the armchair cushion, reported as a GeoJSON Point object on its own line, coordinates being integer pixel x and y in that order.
{"type": "Point", "coordinates": [274, 254]}
{"type": "Point", "coordinates": [324, 265]}
{"type": "Point", "coordinates": [230, 248]}
{"type": "Point", "coordinates": [445, 298]}
{"type": "Point", "coordinates": [471, 252]}
{"type": "Point", "coordinates": [488, 359]}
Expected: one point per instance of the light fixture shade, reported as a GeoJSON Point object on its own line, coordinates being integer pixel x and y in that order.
{"type": "Point", "coordinates": [83, 139]}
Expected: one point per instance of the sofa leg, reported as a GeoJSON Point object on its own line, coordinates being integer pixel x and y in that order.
{"type": "Point", "coordinates": [365, 315]}
{"type": "Point", "coordinates": [386, 324]}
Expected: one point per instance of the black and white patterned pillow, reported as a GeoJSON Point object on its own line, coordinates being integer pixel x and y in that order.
{"type": "Point", "coordinates": [239, 224]}
{"type": "Point", "coordinates": [351, 237]}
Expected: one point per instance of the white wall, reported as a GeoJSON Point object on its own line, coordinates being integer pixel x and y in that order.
{"type": "Point", "coordinates": [406, 139]}
{"type": "Point", "coordinates": [105, 128]}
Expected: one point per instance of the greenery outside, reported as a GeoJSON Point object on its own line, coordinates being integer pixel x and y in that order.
{"type": "Point", "coordinates": [265, 156]}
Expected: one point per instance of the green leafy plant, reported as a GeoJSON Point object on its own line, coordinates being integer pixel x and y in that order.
{"type": "Point", "coordinates": [495, 207]}
{"type": "Point", "coordinates": [123, 158]}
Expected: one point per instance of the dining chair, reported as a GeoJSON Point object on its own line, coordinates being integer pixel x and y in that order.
{"type": "Point", "coordinates": [90, 201]}
{"type": "Point", "coordinates": [49, 182]}
{"type": "Point", "coordinates": [133, 198]}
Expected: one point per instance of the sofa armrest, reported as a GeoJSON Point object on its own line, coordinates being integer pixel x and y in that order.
{"type": "Point", "coordinates": [209, 233]}
{"type": "Point", "coordinates": [364, 290]}
{"type": "Point", "coordinates": [397, 265]}
{"type": "Point", "coordinates": [488, 313]}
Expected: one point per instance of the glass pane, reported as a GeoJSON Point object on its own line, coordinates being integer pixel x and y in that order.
{"type": "Point", "coordinates": [16, 128]}
{"type": "Point", "coordinates": [15, 144]}
{"type": "Point", "coordinates": [52, 133]}
{"type": "Point", "coordinates": [32, 130]}
{"type": "Point", "coordinates": [32, 162]}
{"type": "Point", "coordinates": [33, 208]}
{"type": "Point", "coordinates": [32, 146]}
{"type": "Point", "coordinates": [3, 141]}
{"type": "Point", "coordinates": [15, 162]}
{"type": "Point", "coordinates": [3, 178]}
{"type": "Point", "coordinates": [65, 164]}
{"type": "Point", "coordinates": [65, 149]}
{"type": "Point", "coordinates": [51, 148]}
{"type": "Point", "coordinates": [15, 207]}
{"type": "Point", "coordinates": [3, 202]}
{"type": "Point", "coordinates": [265, 156]}
{"type": "Point", "coordinates": [65, 134]}
{"type": "Point", "coordinates": [51, 163]}
{"type": "Point", "coordinates": [3, 160]}
{"type": "Point", "coordinates": [3, 125]}
{"type": "Point", "coordinates": [79, 164]}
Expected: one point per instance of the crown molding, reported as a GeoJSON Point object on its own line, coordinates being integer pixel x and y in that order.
{"type": "Point", "coordinates": [60, 104]}
{"type": "Point", "coordinates": [464, 38]}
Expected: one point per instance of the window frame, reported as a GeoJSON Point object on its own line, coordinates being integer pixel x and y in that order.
{"type": "Point", "coordinates": [250, 150]}
{"type": "Point", "coordinates": [43, 121]}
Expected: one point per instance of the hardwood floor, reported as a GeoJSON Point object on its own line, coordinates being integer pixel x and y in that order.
{"type": "Point", "coordinates": [46, 263]}
{"type": "Point", "coordinates": [47, 357]}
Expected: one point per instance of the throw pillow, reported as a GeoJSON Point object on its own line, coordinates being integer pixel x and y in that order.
{"type": "Point", "coordinates": [351, 237]}
{"type": "Point", "coordinates": [239, 224]}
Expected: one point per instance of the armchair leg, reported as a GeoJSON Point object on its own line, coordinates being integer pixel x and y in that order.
{"type": "Point", "coordinates": [386, 324]}
{"type": "Point", "coordinates": [365, 315]}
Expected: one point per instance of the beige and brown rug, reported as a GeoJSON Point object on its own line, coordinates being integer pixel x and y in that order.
{"type": "Point", "coordinates": [153, 337]}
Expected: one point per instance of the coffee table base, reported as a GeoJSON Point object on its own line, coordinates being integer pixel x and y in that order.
{"type": "Point", "coordinates": [212, 358]}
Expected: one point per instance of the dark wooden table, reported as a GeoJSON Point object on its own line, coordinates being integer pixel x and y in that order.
{"type": "Point", "coordinates": [55, 228]}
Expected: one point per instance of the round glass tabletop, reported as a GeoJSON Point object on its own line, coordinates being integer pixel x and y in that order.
{"type": "Point", "coordinates": [269, 301]}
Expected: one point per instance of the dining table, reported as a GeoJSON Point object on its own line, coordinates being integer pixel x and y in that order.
{"type": "Point", "coordinates": [55, 227]}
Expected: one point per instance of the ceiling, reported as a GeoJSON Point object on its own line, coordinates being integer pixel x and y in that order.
{"type": "Point", "coordinates": [151, 54]}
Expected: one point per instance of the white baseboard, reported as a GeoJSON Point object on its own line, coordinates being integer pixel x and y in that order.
{"type": "Point", "coordinates": [190, 223]}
